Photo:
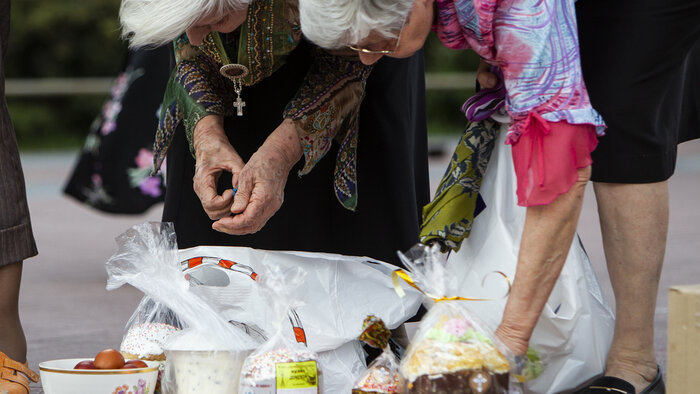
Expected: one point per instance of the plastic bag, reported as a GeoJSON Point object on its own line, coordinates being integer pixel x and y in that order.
{"type": "Point", "coordinates": [281, 364]}
{"type": "Point", "coordinates": [205, 356]}
{"type": "Point", "coordinates": [452, 351]}
{"type": "Point", "coordinates": [575, 329]}
{"type": "Point", "coordinates": [342, 367]}
{"type": "Point", "coordinates": [382, 376]}
{"type": "Point", "coordinates": [338, 293]}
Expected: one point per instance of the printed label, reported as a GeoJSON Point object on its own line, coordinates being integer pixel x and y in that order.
{"type": "Point", "coordinates": [297, 378]}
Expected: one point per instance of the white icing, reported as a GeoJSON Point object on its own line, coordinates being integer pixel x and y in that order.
{"type": "Point", "coordinates": [147, 339]}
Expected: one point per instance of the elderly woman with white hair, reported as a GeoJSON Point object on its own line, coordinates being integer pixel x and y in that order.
{"type": "Point", "coordinates": [553, 126]}
{"type": "Point", "coordinates": [254, 98]}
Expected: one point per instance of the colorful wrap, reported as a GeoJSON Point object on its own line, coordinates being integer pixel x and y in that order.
{"type": "Point", "coordinates": [448, 218]}
{"type": "Point", "coordinates": [375, 333]}
{"type": "Point", "coordinates": [327, 107]}
{"type": "Point", "coordinates": [535, 44]}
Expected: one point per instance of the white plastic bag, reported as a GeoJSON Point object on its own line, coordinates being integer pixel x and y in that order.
{"type": "Point", "coordinates": [338, 292]}
{"type": "Point", "coordinates": [205, 356]}
{"type": "Point", "coordinates": [341, 367]}
{"type": "Point", "coordinates": [575, 330]}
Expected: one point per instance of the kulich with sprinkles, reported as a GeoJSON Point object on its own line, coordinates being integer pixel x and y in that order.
{"type": "Point", "coordinates": [145, 341]}
{"type": "Point", "coordinates": [382, 376]}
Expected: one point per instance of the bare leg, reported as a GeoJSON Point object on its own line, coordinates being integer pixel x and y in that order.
{"type": "Point", "coordinates": [547, 236]}
{"type": "Point", "coordinates": [12, 341]}
{"type": "Point", "coordinates": [634, 224]}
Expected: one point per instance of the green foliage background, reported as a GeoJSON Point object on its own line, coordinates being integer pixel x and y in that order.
{"type": "Point", "coordinates": [77, 38]}
{"type": "Point", "coordinates": [60, 38]}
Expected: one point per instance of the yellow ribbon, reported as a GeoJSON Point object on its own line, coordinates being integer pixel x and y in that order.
{"type": "Point", "coordinates": [401, 274]}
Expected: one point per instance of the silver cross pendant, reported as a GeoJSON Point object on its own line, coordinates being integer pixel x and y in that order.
{"type": "Point", "coordinates": [239, 104]}
{"type": "Point", "coordinates": [236, 72]}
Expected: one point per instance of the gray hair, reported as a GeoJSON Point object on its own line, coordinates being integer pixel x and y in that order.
{"type": "Point", "coordinates": [333, 24]}
{"type": "Point", "coordinates": [151, 23]}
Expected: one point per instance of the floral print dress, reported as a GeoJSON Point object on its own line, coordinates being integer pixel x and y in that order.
{"type": "Point", "coordinates": [114, 169]}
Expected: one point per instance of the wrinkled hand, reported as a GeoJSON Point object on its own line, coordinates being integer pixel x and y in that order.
{"type": "Point", "coordinates": [512, 338]}
{"type": "Point", "coordinates": [261, 182]}
{"type": "Point", "coordinates": [485, 77]}
{"type": "Point", "coordinates": [214, 155]}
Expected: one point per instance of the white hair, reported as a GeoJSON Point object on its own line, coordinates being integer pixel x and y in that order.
{"type": "Point", "coordinates": [151, 23]}
{"type": "Point", "coordinates": [333, 24]}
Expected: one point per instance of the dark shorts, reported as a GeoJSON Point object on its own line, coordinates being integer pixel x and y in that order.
{"type": "Point", "coordinates": [641, 64]}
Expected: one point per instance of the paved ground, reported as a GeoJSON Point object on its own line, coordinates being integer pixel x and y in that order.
{"type": "Point", "coordinates": [67, 312]}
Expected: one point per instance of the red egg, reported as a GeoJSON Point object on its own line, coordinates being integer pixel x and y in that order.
{"type": "Point", "coordinates": [85, 364]}
{"type": "Point", "coordinates": [135, 364]}
{"type": "Point", "coordinates": [109, 359]}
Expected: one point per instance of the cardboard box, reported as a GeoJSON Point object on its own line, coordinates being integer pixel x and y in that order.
{"type": "Point", "coordinates": [683, 365]}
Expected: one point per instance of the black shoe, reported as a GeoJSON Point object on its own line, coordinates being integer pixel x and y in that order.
{"type": "Point", "coordinates": [613, 385]}
{"type": "Point", "coordinates": [657, 386]}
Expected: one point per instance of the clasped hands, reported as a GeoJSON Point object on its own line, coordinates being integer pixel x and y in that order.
{"type": "Point", "coordinates": [260, 181]}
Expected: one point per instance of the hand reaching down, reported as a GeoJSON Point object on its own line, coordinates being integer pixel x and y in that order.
{"type": "Point", "coordinates": [214, 155]}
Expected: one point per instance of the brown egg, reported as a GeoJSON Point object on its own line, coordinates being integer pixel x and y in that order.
{"type": "Point", "coordinates": [109, 359]}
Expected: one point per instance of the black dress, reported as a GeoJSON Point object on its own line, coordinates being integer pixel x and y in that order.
{"type": "Point", "coordinates": [392, 167]}
{"type": "Point", "coordinates": [113, 171]}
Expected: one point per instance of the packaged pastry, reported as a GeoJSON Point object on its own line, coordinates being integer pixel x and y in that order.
{"type": "Point", "coordinates": [382, 375]}
{"type": "Point", "coordinates": [147, 330]}
{"type": "Point", "coordinates": [281, 364]}
{"type": "Point", "coordinates": [207, 353]}
{"type": "Point", "coordinates": [452, 351]}
{"type": "Point", "coordinates": [145, 341]}
{"type": "Point", "coordinates": [454, 355]}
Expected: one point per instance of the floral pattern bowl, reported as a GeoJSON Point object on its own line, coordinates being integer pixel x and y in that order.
{"type": "Point", "coordinates": [59, 377]}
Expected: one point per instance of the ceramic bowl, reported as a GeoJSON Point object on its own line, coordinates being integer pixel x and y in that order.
{"type": "Point", "coordinates": [59, 377]}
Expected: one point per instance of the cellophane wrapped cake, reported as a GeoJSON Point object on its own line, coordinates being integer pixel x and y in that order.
{"type": "Point", "coordinates": [282, 364]}
{"type": "Point", "coordinates": [382, 375]}
{"type": "Point", "coordinates": [452, 351]}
